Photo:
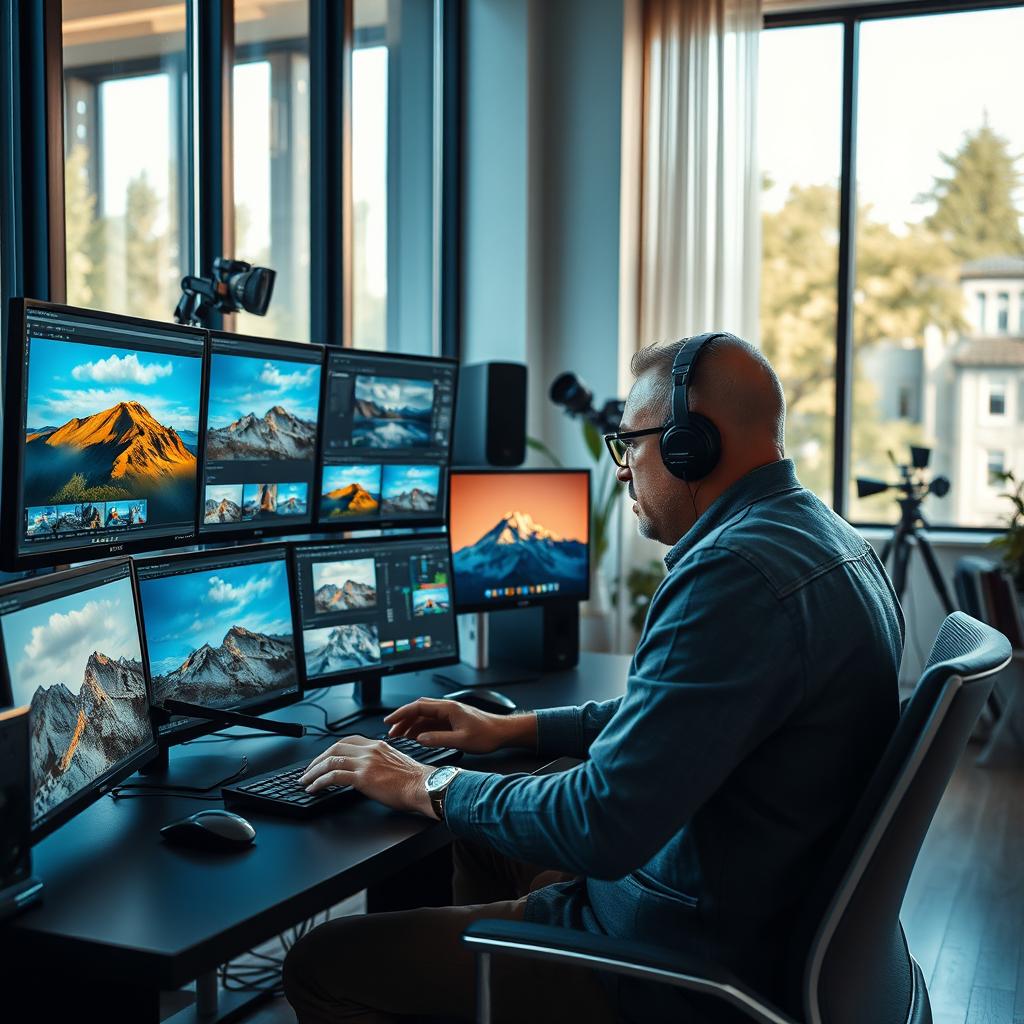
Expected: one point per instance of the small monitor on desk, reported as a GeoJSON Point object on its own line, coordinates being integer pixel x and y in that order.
{"type": "Point", "coordinates": [519, 537]}
{"type": "Point", "coordinates": [374, 607]}
{"type": "Point", "coordinates": [102, 431]}
{"type": "Point", "coordinates": [263, 413]}
{"type": "Point", "coordinates": [72, 649]}
{"type": "Point", "coordinates": [385, 443]}
{"type": "Point", "coordinates": [219, 632]}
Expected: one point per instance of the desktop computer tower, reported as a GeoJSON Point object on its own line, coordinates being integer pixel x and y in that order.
{"type": "Point", "coordinates": [18, 889]}
{"type": "Point", "coordinates": [543, 638]}
{"type": "Point", "coordinates": [490, 417]}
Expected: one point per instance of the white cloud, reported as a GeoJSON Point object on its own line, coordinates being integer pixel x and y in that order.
{"type": "Point", "coordinates": [222, 592]}
{"type": "Point", "coordinates": [274, 378]}
{"type": "Point", "coordinates": [119, 369]}
{"type": "Point", "coordinates": [58, 650]}
{"type": "Point", "coordinates": [359, 570]}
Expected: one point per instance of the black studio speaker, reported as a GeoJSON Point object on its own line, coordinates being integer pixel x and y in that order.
{"type": "Point", "coordinates": [490, 415]}
{"type": "Point", "coordinates": [18, 888]}
{"type": "Point", "coordinates": [543, 638]}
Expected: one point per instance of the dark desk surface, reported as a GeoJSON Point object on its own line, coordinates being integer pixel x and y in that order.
{"type": "Point", "coordinates": [116, 898]}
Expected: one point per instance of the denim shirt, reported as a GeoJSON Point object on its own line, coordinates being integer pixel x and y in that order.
{"type": "Point", "coordinates": [759, 699]}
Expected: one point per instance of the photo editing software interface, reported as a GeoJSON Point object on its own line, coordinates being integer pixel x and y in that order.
{"type": "Point", "coordinates": [519, 536]}
{"type": "Point", "coordinates": [261, 425]}
{"type": "Point", "coordinates": [385, 443]}
{"type": "Point", "coordinates": [109, 424]}
{"type": "Point", "coordinates": [370, 606]}
{"type": "Point", "coordinates": [72, 650]}
{"type": "Point", "coordinates": [219, 630]}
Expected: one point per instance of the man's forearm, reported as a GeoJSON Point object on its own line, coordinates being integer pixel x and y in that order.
{"type": "Point", "coordinates": [520, 730]}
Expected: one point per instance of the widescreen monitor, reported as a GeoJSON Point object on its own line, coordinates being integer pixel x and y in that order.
{"type": "Point", "coordinates": [72, 649]}
{"type": "Point", "coordinates": [519, 537]}
{"type": "Point", "coordinates": [386, 439]}
{"type": "Point", "coordinates": [220, 632]}
{"type": "Point", "coordinates": [101, 436]}
{"type": "Point", "coordinates": [262, 415]}
{"type": "Point", "coordinates": [374, 607]}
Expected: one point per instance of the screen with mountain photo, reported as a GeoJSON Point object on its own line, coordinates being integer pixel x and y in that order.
{"type": "Point", "coordinates": [261, 428]}
{"type": "Point", "coordinates": [218, 634]}
{"type": "Point", "coordinates": [110, 443]}
{"type": "Point", "coordinates": [77, 660]}
{"type": "Point", "coordinates": [519, 536]}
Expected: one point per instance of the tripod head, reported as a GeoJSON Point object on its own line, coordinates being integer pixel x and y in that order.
{"type": "Point", "coordinates": [912, 487]}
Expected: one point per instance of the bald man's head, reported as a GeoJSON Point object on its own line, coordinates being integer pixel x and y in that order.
{"type": "Point", "coordinates": [732, 383]}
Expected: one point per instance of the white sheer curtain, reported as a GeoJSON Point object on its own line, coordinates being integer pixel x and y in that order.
{"type": "Point", "coordinates": [690, 218]}
{"type": "Point", "coordinates": [699, 235]}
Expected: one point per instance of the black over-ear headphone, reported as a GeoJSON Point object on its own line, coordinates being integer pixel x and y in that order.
{"type": "Point", "coordinates": [690, 445]}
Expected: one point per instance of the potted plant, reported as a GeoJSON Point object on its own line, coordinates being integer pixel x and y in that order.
{"type": "Point", "coordinates": [1010, 543]}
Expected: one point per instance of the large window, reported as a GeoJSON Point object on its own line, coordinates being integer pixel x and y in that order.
{"type": "Point", "coordinates": [271, 161]}
{"type": "Point", "coordinates": [937, 251]}
{"type": "Point", "coordinates": [127, 218]}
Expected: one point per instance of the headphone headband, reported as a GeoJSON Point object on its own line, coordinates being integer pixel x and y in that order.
{"type": "Point", "coordinates": [682, 367]}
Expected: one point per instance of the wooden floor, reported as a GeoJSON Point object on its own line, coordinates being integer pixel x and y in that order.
{"type": "Point", "coordinates": [964, 911]}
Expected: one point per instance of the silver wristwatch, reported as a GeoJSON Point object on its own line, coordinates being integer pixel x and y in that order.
{"type": "Point", "coordinates": [437, 787]}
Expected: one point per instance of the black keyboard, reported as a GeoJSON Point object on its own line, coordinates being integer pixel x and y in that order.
{"type": "Point", "coordinates": [280, 792]}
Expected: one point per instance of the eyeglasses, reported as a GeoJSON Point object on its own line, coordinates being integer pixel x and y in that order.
{"type": "Point", "coordinates": [619, 443]}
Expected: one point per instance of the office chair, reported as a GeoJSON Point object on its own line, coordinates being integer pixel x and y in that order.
{"type": "Point", "coordinates": [848, 961]}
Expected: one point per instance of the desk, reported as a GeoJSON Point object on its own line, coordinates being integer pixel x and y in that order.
{"type": "Point", "coordinates": [124, 916]}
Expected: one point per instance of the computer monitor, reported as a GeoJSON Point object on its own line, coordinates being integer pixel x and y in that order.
{"type": "Point", "coordinates": [72, 649]}
{"type": "Point", "coordinates": [386, 439]}
{"type": "Point", "coordinates": [519, 537]}
{"type": "Point", "coordinates": [220, 633]}
{"type": "Point", "coordinates": [369, 608]}
{"type": "Point", "coordinates": [101, 435]}
{"type": "Point", "coordinates": [262, 416]}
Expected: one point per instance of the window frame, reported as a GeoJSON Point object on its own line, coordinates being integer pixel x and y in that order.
{"type": "Point", "coordinates": [851, 17]}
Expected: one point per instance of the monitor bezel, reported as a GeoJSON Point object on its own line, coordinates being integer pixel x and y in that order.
{"type": "Point", "coordinates": [317, 682]}
{"type": "Point", "coordinates": [195, 728]}
{"type": "Point", "coordinates": [530, 600]}
{"type": "Point", "coordinates": [208, 536]}
{"type": "Point", "coordinates": [102, 784]}
{"type": "Point", "coordinates": [13, 450]}
{"type": "Point", "coordinates": [426, 522]}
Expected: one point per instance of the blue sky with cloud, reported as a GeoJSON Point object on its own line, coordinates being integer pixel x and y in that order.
{"type": "Point", "coordinates": [337, 477]}
{"type": "Point", "coordinates": [50, 643]}
{"type": "Point", "coordinates": [401, 479]}
{"type": "Point", "coordinates": [396, 392]}
{"type": "Point", "coordinates": [68, 379]}
{"type": "Point", "coordinates": [242, 384]}
{"type": "Point", "coordinates": [184, 612]}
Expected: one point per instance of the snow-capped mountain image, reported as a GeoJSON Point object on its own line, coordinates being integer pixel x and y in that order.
{"type": "Point", "coordinates": [341, 648]}
{"type": "Point", "coordinates": [277, 434]}
{"type": "Point", "coordinates": [392, 412]}
{"type": "Point", "coordinates": [223, 504]}
{"type": "Point", "coordinates": [244, 665]}
{"type": "Point", "coordinates": [344, 585]}
{"type": "Point", "coordinates": [517, 551]}
{"type": "Point", "coordinates": [410, 488]}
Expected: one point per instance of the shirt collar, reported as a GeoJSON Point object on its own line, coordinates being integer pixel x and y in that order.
{"type": "Point", "coordinates": [763, 482]}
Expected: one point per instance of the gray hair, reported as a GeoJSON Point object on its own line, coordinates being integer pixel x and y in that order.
{"type": "Point", "coordinates": [658, 358]}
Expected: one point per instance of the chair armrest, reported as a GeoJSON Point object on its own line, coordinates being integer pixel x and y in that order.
{"type": "Point", "coordinates": [619, 956]}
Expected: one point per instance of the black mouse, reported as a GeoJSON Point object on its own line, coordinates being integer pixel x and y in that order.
{"type": "Point", "coordinates": [210, 830]}
{"type": "Point", "coordinates": [485, 700]}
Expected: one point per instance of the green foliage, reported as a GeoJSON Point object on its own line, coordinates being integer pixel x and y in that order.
{"type": "Point", "coordinates": [975, 213]}
{"type": "Point", "coordinates": [76, 490]}
{"type": "Point", "coordinates": [1010, 544]}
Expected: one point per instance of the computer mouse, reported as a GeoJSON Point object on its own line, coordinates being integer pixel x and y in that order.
{"type": "Point", "coordinates": [486, 700]}
{"type": "Point", "coordinates": [210, 830]}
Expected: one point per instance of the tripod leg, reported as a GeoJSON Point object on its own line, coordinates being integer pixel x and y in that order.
{"type": "Point", "coordinates": [933, 571]}
{"type": "Point", "coordinates": [900, 557]}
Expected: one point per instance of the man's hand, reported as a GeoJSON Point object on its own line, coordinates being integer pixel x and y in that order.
{"type": "Point", "coordinates": [447, 723]}
{"type": "Point", "coordinates": [374, 768]}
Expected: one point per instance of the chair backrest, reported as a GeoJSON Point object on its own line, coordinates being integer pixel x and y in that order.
{"type": "Point", "coordinates": [851, 955]}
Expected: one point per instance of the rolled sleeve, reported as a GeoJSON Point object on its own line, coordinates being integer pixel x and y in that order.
{"type": "Point", "coordinates": [462, 796]}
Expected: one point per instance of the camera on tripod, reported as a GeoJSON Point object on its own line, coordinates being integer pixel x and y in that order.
{"type": "Point", "coordinates": [912, 488]}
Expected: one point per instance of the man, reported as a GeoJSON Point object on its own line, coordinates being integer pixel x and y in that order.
{"type": "Point", "coordinates": [760, 696]}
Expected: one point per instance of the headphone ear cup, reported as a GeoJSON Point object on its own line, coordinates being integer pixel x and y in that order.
{"type": "Point", "coordinates": [692, 452]}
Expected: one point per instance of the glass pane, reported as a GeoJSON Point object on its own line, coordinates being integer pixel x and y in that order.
{"type": "Point", "coordinates": [271, 158]}
{"type": "Point", "coordinates": [126, 156]}
{"type": "Point", "coordinates": [393, 213]}
{"type": "Point", "coordinates": [940, 259]}
{"type": "Point", "coordinates": [801, 85]}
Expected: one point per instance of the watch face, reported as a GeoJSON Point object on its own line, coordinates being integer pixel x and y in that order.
{"type": "Point", "coordinates": [441, 777]}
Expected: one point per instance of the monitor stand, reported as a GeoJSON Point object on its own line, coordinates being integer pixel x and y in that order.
{"type": "Point", "coordinates": [463, 676]}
